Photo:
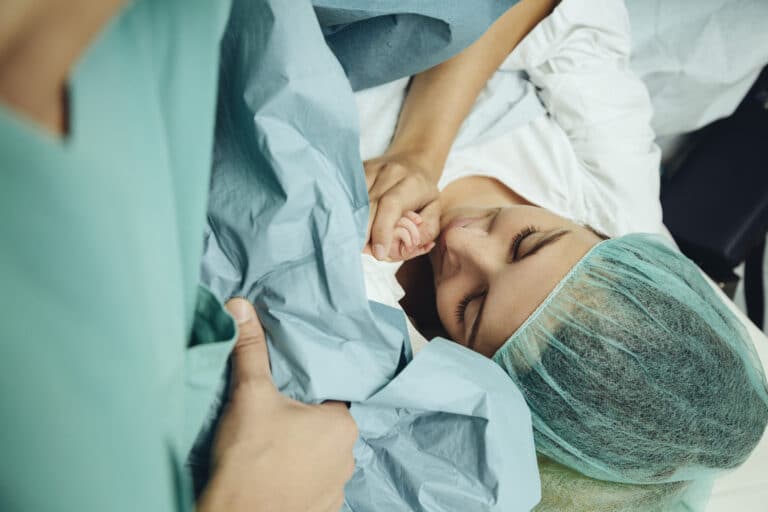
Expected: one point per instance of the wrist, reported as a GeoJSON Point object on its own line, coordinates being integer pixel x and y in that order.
{"type": "Point", "coordinates": [426, 157]}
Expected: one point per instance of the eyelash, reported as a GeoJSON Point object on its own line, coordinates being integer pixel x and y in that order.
{"type": "Point", "coordinates": [461, 309]}
{"type": "Point", "coordinates": [526, 231]}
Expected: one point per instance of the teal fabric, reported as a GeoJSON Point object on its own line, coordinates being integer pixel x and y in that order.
{"type": "Point", "coordinates": [99, 269]}
{"type": "Point", "coordinates": [564, 490]}
{"type": "Point", "coordinates": [450, 432]}
{"type": "Point", "coordinates": [636, 371]}
{"type": "Point", "coordinates": [289, 207]}
{"type": "Point", "coordinates": [377, 41]}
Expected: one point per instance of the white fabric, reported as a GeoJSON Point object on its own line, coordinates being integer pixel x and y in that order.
{"type": "Point", "coordinates": [746, 487]}
{"type": "Point", "coordinates": [381, 286]}
{"type": "Point", "coordinates": [593, 158]}
{"type": "Point", "coordinates": [698, 58]}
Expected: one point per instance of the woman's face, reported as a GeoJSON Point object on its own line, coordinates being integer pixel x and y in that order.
{"type": "Point", "coordinates": [493, 267]}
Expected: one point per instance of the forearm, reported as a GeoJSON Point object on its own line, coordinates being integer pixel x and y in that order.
{"type": "Point", "coordinates": [440, 98]}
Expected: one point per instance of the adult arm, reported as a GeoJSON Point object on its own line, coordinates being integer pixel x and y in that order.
{"type": "Point", "coordinates": [405, 177]}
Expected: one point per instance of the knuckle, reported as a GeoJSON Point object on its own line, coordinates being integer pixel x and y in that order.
{"type": "Point", "coordinates": [406, 223]}
{"type": "Point", "coordinates": [419, 177]}
{"type": "Point", "coordinates": [378, 234]}
{"type": "Point", "coordinates": [251, 337]}
{"type": "Point", "coordinates": [242, 349]}
{"type": "Point", "coordinates": [261, 388]}
{"type": "Point", "coordinates": [389, 202]}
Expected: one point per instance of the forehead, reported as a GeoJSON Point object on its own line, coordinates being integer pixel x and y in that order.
{"type": "Point", "coordinates": [516, 291]}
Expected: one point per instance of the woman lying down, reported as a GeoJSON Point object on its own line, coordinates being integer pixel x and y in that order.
{"type": "Point", "coordinates": [634, 369]}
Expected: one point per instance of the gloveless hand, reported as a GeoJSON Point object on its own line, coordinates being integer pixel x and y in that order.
{"type": "Point", "coordinates": [405, 215]}
{"type": "Point", "coordinates": [271, 452]}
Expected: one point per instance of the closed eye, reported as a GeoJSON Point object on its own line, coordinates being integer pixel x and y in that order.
{"type": "Point", "coordinates": [476, 326]}
{"type": "Point", "coordinates": [461, 309]}
{"type": "Point", "coordinates": [552, 237]}
{"type": "Point", "coordinates": [514, 247]}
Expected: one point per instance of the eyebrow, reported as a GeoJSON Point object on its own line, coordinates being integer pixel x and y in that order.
{"type": "Point", "coordinates": [548, 240]}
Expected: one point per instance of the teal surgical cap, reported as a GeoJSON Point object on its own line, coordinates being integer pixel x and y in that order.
{"type": "Point", "coordinates": [635, 370]}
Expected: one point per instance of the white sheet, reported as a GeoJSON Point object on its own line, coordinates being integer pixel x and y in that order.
{"type": "Point", "coordinates": [746, 488]}
{"type": "Point", "coordinates": [698, 58]}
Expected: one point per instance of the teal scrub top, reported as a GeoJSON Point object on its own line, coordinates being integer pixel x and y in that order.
{"type": "Point", "coordinates": [111, 353]}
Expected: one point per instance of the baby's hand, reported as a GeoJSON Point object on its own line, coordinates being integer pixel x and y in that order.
{"type": "Point", "coordinates": [407, 240]}
{"type": "Point", "coordinates": [412, 237]}
{"type": "Point", "coordinates": [397, 183]}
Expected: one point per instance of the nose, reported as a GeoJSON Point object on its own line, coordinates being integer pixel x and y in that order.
{"type": "Point", "coordinates": [470, 248]}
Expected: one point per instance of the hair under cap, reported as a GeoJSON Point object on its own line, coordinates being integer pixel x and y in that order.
{"type": "Point", "coordinates": [635, 370]}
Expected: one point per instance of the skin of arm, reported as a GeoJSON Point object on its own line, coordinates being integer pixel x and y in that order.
{"type": "Point", "coordinates": [440, 98]}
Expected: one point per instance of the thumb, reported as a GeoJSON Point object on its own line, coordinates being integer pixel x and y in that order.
{"type": "Point", "coordinates": [250, 359]}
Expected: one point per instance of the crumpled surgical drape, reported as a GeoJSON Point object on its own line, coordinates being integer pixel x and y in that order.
{"type": "Point", "coordinates": [287, 220]}
{"type": "Point", "coordinates": [377, 41]}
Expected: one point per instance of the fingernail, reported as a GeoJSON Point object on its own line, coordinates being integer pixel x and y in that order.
{"type": "Point", "coordinates": [379, 251]}
{"type": "Point", "coordinates": [240, 309]}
